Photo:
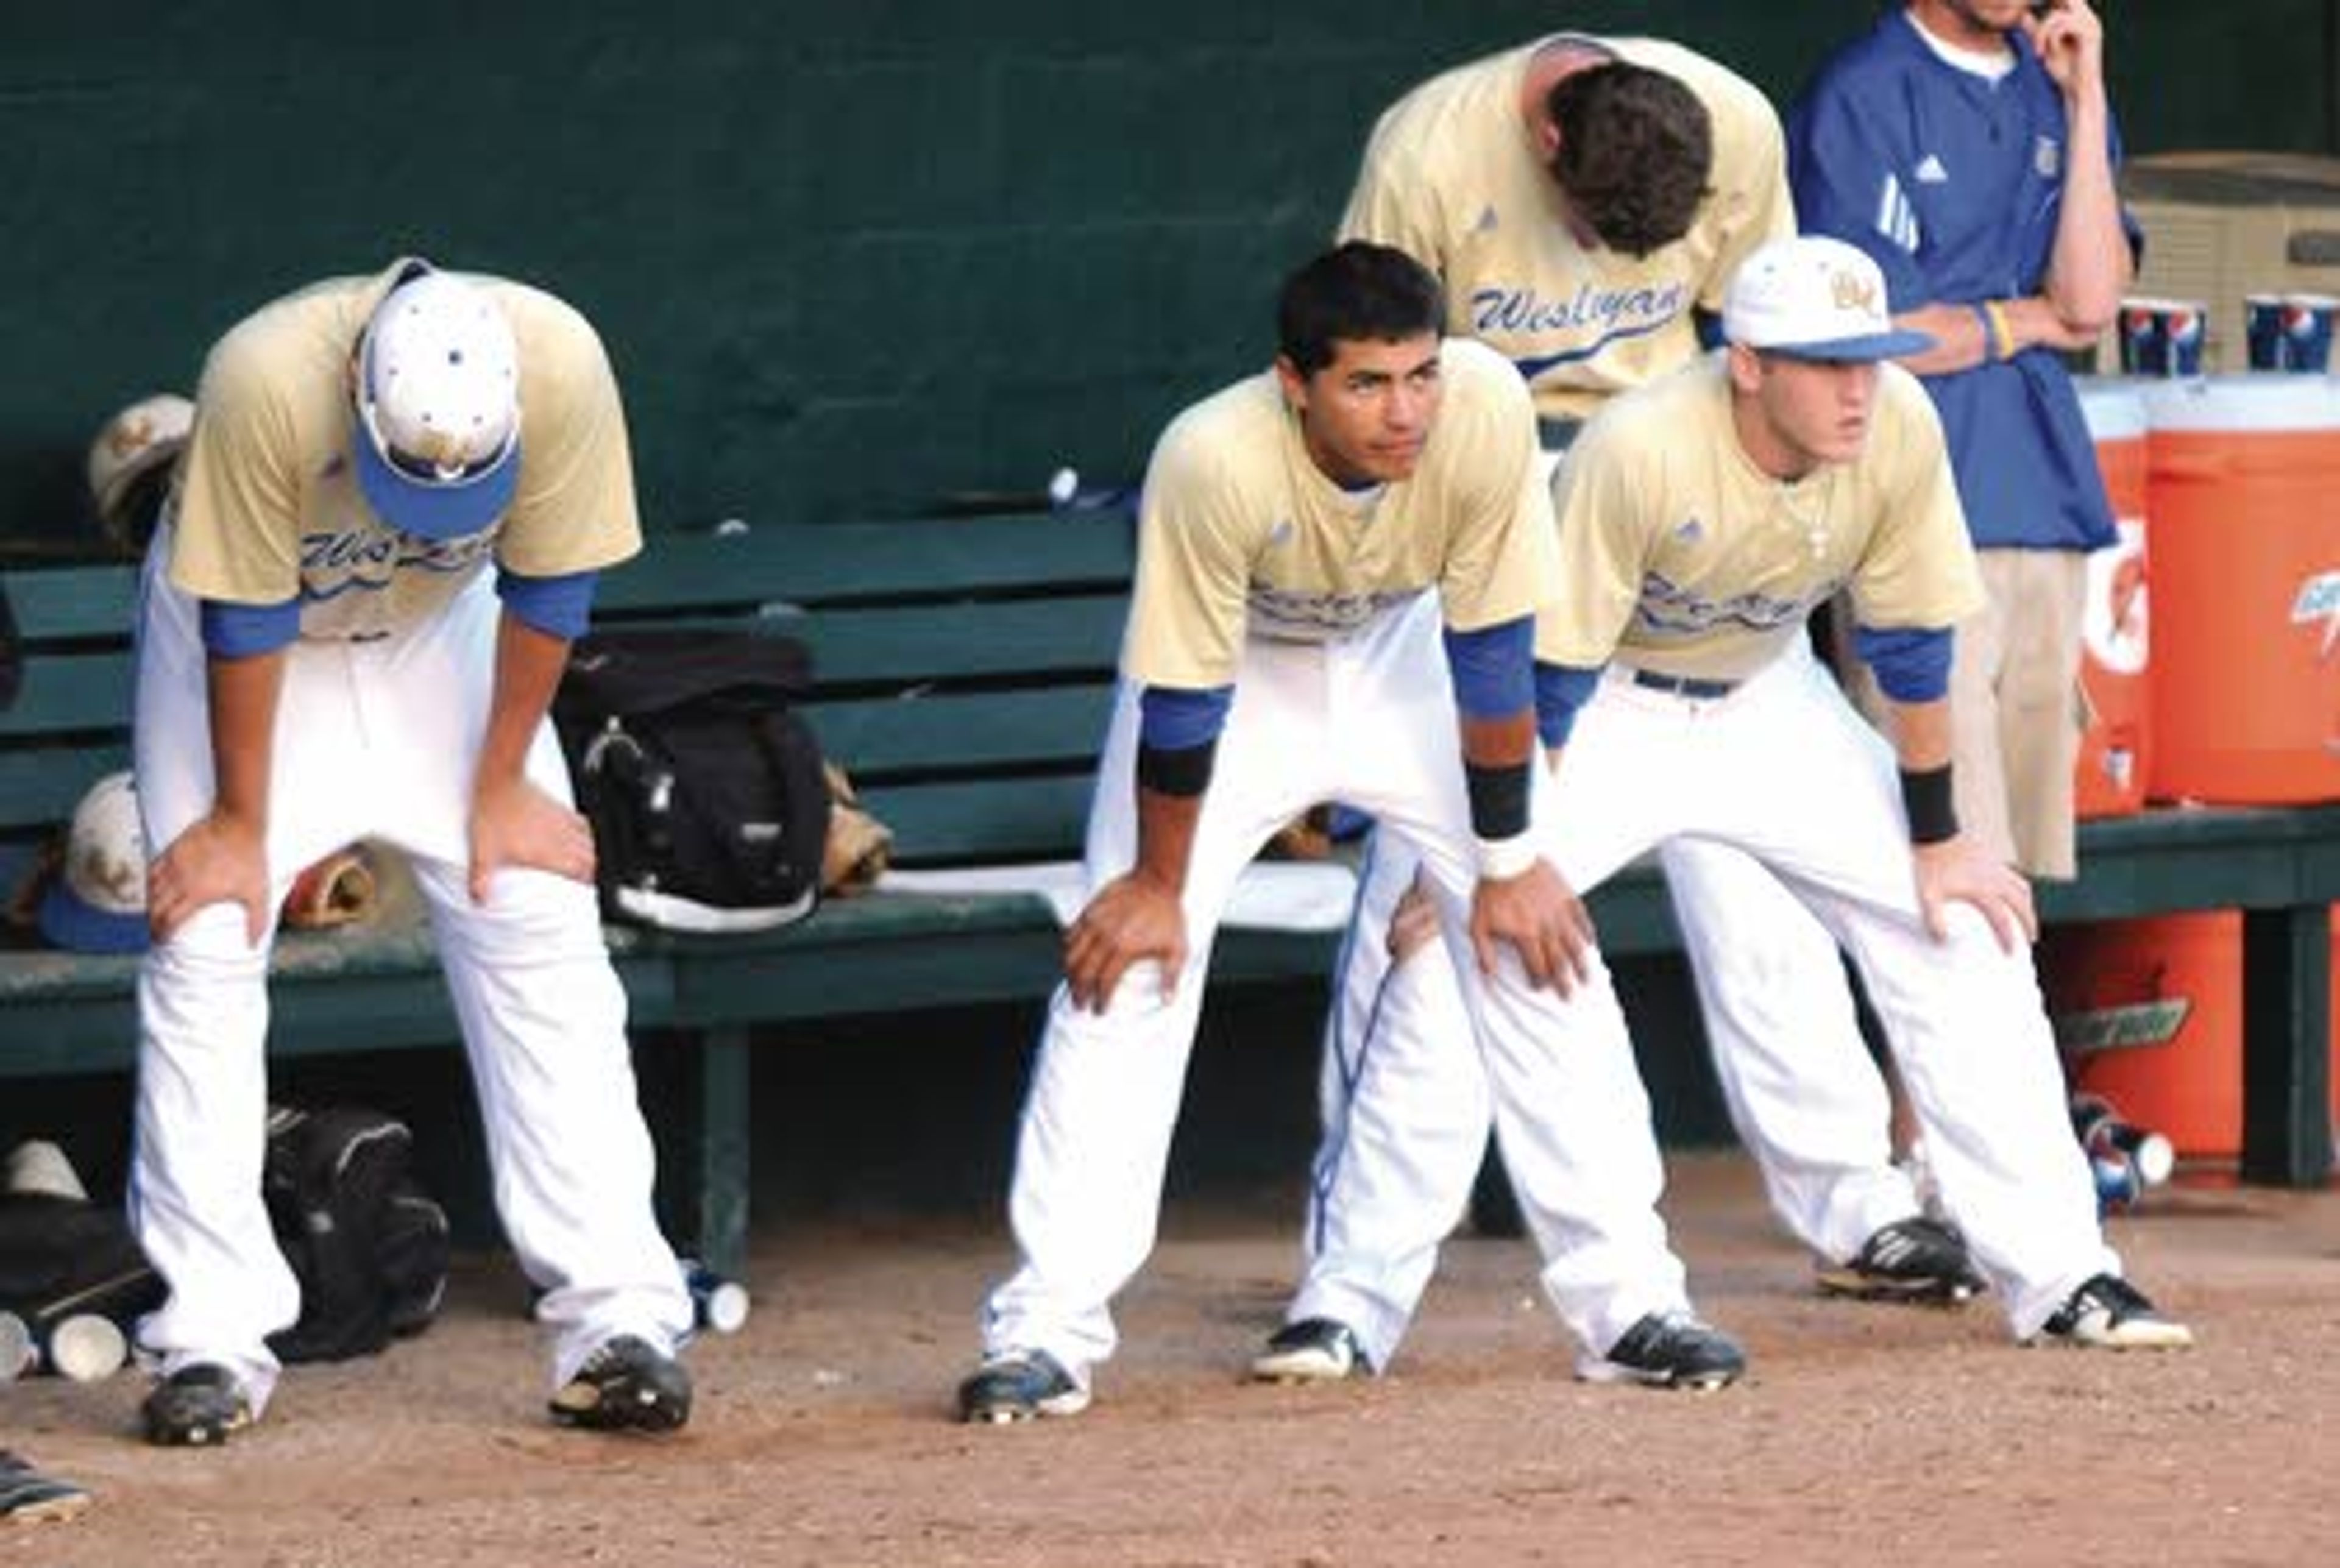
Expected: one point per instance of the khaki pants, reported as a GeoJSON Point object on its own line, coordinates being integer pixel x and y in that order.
{"type": "Point", "coordinates": [2015, 708]}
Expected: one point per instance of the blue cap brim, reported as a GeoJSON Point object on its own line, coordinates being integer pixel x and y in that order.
{"type": "Point", "coordinates": [1889, 345]}
{"type": "Point", "coordinates": [69, 922]}
{"type": "Point", "coordinates": [436, 512]}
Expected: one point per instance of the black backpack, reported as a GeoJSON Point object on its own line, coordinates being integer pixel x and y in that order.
{"type": "Point", "coordinates": [704, 787]}
{"type": "Point", "coordinates": [368, 1246]}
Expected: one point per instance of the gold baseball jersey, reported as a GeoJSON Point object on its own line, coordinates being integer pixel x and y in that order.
{"type": "Point", "coordinates": [1678, 555]}
{"type": "Point", "coordinates": [1241, 533]}
{"type": "Point", "coordinates": [267, 505]}
{"type": "Point", "coordinates": [1451, 176]}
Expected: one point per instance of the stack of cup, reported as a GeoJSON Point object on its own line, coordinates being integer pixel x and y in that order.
{"type": "Point", "coordinates": [85, 1347]}
{"type": "Point", "coordinates": [2125, 1159]}
{"type": "Point", "coordinates": [720, 1304]}
{"type": "Point", "coordinates": [19, 1356]}
{"type": "Point", "coordinates": [2162, 337]}
{"type": "Point", "coordinates": [2289, 332]}
{"type": "Point", "coordinates": [37, 1166]}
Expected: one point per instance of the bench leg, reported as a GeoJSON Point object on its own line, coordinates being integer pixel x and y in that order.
{"type": "Point", "coordinates": [2288, 1046]}
{"type": "Point", "coordinates": [722, 1155]}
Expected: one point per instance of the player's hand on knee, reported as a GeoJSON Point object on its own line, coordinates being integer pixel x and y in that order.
{"type": "Point", "coordinates": [1132, 918]}
{"type": "Point", "coordinates": [222, 859]}
{"type": "Point", "coordinates": [1539, 916]}
{"type": "Point", "coordinates": [1958, 871]}
{"type": "Point", "coordinates": [518, 824]}
{"type": "Point", "coordinates": [1414, 924]}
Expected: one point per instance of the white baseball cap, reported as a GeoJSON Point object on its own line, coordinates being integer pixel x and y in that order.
{"type": "Point", "coordinates": [97, 901]}
{"type": "Point", "coordinates": [438, 395]}
{"type": "Point", "coordinates": [1811, 297]}
{"type": "Point", "coordinates": [140, 438]}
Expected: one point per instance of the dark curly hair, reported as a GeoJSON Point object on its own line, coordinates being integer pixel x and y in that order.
{"type": "Point", "coordinates": [1636, 147]}
{"type": "Point", "coordinates": [1358, 292]}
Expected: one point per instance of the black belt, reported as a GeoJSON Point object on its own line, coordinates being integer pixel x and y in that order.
{"type": "Point", "coordinates": [1684, 685]}
{"type": "Point", "coordinates": [1557, 432]}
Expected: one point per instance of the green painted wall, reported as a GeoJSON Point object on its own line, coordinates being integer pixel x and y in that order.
{"type": "Point", "coordinates": [847, 254]}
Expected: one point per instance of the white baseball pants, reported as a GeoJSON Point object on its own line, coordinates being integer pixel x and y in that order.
{"type": "Point", "coordinates": [1371, 722]}
{"type": "Point", "coordinates": [1397, 1160]}
{"type": "Point", "coordinates": [1783, 771]}
{"type": "Point", "coordinates": [377, 740]}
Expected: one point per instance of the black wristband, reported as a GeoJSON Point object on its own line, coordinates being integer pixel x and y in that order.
{"type": "Point", "coordinates": [1498, 798]}
{"type": "Point", "coordinates": [1185, 771]}
{"type": "Point", "coordinates": [1933, 812]}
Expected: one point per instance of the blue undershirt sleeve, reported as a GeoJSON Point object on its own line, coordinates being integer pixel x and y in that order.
{"type": "Point", "coordinates": [240, 630]}
{"type": "Point", "coordinates": [1179, 718]}
{"type": "Point", "coordinates": [557, 605]}
{"type": "Point", "coordinates": [1492, 668]}
{"type": "Point", "coordinates": [1561, 689]}
{"type": "Point", "coordinates": [1912, 665]}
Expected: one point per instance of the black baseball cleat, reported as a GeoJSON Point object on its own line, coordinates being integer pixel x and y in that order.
{"type": "Point", "coordinates": [625, 1385]}
{"type": "Point", "coordinates": [197, 1406]}
{"type": "Point", "coordinates": [1668, 1350]}
{"type": "Point", "coordinates": [2109, 1313]}
{"type": "Point", "coordinates": [1018, 1386]}
{"type": "Point", "coordinates": [1312, 1350]}
{"type": "Point", "coordinates": [29, 1498]}
{"type": "Point", "coordinates": [1915, 1259]}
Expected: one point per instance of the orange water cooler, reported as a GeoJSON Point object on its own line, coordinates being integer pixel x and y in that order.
{"type": "Point", "coordinates": [2243, 488]}
{"type": "Point", "coordinates": [2149, 1013]}
{"type": "Point", "coordinates": [2114, 760]}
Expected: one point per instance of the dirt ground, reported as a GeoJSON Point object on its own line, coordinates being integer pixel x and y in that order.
{"type": "Point", "coordinates": [1865, 1433]}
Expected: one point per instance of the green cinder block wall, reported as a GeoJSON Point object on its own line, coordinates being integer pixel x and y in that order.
{"type": "Point", "coordinates": [847, 253]}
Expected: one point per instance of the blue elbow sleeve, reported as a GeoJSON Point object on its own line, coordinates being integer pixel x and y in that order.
{"type": "Point", "coordinates": [1494, 667]}
{"type": "Point", "coordinates": [1560, 691]}
{"type": "Point", "coordinates": [240, 630]}
{"type": "Point", "coordinates": [1911, 665]}
{"type": "Point", "coordinates": [557, 605]}
{"type": "Point", "coordinates": [1179, 718]}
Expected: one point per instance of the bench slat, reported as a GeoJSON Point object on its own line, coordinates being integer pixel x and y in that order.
{"type": "Point", "coordinates": [74, 601]}
{"type": "Point", "coordinates": [935, 559]}
{"type": "Point", "coordinates": [1020, 638]}
{"type": "Point", "coordinates": [39, 787]}
{"type": "Point", "coordinates": [62, 694]}
{"type": "Point", "coordinates": [969, 823]}
{"type": "Point", "coordinates": [940, 732]}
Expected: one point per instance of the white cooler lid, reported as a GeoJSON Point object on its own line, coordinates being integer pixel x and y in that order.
{"type": "Point", "coordinates": [2211, 404]}
{"type": "Point", "coordinates": [2115, 406]}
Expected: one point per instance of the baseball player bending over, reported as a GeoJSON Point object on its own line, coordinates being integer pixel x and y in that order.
{"type": "Point", "coordinates": [398, 494]}
{"type": "Point", "coordinates": [1700, 521]}
{"type": "Point", "coordinates": [1584, 198]}
{"type": "Point", "coordinates": [1337, 569]}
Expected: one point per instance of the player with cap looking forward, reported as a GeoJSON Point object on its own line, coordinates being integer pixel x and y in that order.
{"type": "Point", "coordinates": [387, 528]}
{"type": "Point", "coordinates": [1701, 520]}
{"type": "Point", "coordinates": [1587, 200]}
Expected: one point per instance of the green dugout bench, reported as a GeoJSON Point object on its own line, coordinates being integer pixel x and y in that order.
{"type": "Point", "coordinates": [963, 673]}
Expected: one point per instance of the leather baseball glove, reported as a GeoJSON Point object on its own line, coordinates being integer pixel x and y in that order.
{"type": "Point", "coordinates": [340, 889]}
{"type": "Point", "coordinates": [859, 846]}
